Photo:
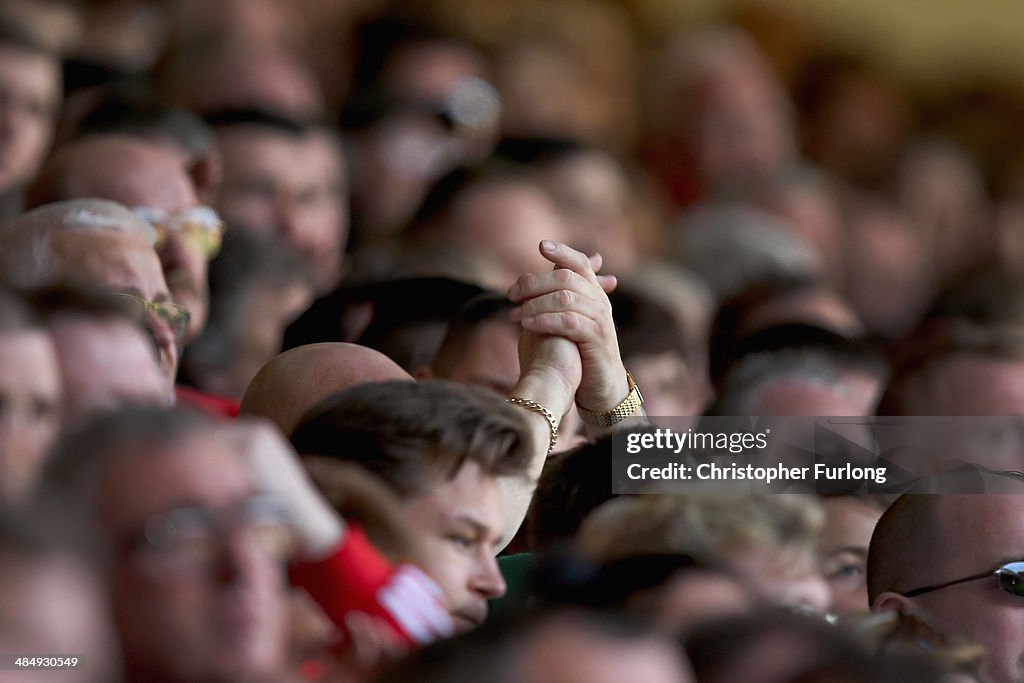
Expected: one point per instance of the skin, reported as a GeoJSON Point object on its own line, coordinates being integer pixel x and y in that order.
{"type": "Point", "coordinates": [219, 623]}
{"type": "Point", "coordinates": [30, 86]}
{"type": "Point", "coordinates": [490, 359]}
{"type": "Point", "coordinates": [796, 397]}
{"type": "Point", "coordinates": [287, 187]}
{"type": "Point", "coordinates": [30, 392]}
{"type": "Point", "coordinates": [267, 312]}
{"type": "Point", "coordinates": [985, 531]}
{"type": "Point", "coordinates": [53, 604]}
{"type": "Point", "coordinates": [692, 598]}
{"type": "Point", "coordinates": [505, 221]}
{"type": "Point", "coordinates": [843, 547]}
{"type": "Point", "coordinates": [121, 262]}
{"type": "Point", "coordinates": [138, 173]}
{"type": "Point", "coordinates": [296, 380]}
{"type": "Point", "coordinates": [461, 521]}
{"type": "Point", "coordinates": [566, 653]}
{"type": "Point", "coordinates": [105, 364]}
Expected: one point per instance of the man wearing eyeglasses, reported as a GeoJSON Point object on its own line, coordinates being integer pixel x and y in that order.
{"type": "Point", "coordinates": [960, 559]}
{"type": "Point", "coordinates": [150, 180]}
{"type": "Point", "coordinates": [101, 245]}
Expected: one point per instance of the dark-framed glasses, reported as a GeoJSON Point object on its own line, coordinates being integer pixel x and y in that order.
{"type": "Point", "coordinates": [1010, 576]}
{"type": "Point", "coordinates": [174, 316]}
{"type": "Point", "coordinates": [200, 226]}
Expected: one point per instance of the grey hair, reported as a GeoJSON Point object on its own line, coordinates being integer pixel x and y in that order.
{"type": "Point", "coordinates": [752, 375]}
{"type": "Point", "coordinates": [26, 243]}
{"type": "Point", "coordinates": [731, 246]}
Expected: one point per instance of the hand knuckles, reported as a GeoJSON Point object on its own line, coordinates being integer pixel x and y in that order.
{"type": "Point", "coordinates": [565, 298]}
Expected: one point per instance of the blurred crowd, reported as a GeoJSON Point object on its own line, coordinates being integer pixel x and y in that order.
{"type": "Point", "coordinates": [318, 318]}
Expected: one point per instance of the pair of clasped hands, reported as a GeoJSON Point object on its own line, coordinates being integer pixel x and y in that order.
{"type": "Point", "coordinates": [568, 350]}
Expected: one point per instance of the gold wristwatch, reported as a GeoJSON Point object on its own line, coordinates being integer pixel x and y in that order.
{"type": "Point", "coordinates": [627, 408]}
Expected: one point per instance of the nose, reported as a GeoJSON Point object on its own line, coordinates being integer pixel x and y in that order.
{"type": "Point", "coordinates": [487, 580]}
{"type": "Point", "coordinates": [173, 254]}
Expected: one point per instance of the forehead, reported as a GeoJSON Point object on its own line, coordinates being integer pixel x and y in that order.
{"type": "Point", "coordinates": [982, 529]}
{"type": "Point", "coordinates": [972, 385]}
{"type": "Point", "coordinates": [143, 479]}
{"type": "Point", "coordinates": [140, 174]}
{"type": "Point", "coordinates": [114, 261]}
{"type": "Point", "coordinates": [243, 145]}
{"type": "Point", "coordinates": [470, 495]}
{"type": "Point", "coordinates": [28, 71]}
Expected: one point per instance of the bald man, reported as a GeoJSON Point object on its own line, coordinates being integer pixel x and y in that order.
{"type": "Point", "coordinates": [150, 179]}
{"type": "Point", "coordinates": [941, 554]}
{"type": "Point", "coordinates": [296, 380]}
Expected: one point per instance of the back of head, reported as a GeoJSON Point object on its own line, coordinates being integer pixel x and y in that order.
{"type": "Point", "coordinates": [27, 255]}
{"type": "Point", "coordinates": [731, 246]}
{"type": "Point", "coordinates": [294, 382]}
{"type": "Point", "coordinates": [710, 525]}
{"type": "Point", "coordinates": [800, 353]}
{"type": "Point", "coordinates": [906, 542]}
{"type": "Point", "coordinates": [571, 486]}
{"type": "Point", "coordinates": [413, 434]}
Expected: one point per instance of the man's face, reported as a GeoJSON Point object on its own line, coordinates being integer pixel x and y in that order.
{"type": "Point", "coordinates": [844, 551]}
{"type": "Point", "coordinates": [979, 533]}
{"type": "Point", "coordinates": [29, 95]}
{"type": "Point", "coordinates": [29, 408]}
{"type": "Point", "coordinates": [126, 263]}
{"type": "Point", "coordinates": [105, 364]}
{"type": "Point", "coordinates": [290, 188]}
{"type": "Point", "coordinates": [217, 617]}
{"type": "Point", "coordinates": [490, 359]}
{"type": "Point", "coordinates": [461, 522]}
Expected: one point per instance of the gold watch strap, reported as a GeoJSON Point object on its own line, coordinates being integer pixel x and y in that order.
{"type": "Point", "coordinates": [627, 408]}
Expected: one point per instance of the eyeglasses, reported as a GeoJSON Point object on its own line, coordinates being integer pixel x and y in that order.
{"type": "Point", "coordinates": [200, 226]}
{"type": "Point", "coordinates": [193, 537]}
{"type": "Point", "coordinates": [1010, 576]}
{"type": "Point", "coordinates": [176, 317]}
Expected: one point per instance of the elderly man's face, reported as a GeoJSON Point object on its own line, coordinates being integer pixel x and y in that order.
{"type": "Point", "coordinates": [461, 523]}
{"type": "Point", "coordinates": [29, 408]}
{"type": "Point", "coordinates": [217, 615]}
{"type": "Point", "coordinates": [121, 262]}
{"type": "Point", "coordinates": [979, 533]}
{"type": "Point", "coordinates": [29, 95]}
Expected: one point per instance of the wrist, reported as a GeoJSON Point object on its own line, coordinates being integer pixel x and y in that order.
{"type": "Point", "coordinates": [604, 395]}
{"type": "Point", "coordinates": [547, 388]}
{"type": "Point", "coordinates": [319, 530]}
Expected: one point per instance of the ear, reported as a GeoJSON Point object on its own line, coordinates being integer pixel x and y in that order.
{"type": "Point", "coordinates": [890, 602]}
{"type": "Point", "coordinates": [424, 372]}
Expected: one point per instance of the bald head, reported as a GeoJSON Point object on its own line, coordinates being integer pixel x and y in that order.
{"type": "Point", "coordinates": [298, 379]}
{"type": "Point", "coordinates": [30, 255]}
{"type": "Point", "coordinates": [121, 168]}
{"type": "Point", "coordinates": [905, 542]}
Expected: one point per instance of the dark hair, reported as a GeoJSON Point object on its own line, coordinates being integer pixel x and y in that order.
{"type": "Point", "coordinates": [246, 262]}
{"type": "Point", "coordinates": [466, 323]}
{"type": "Point", "coordinates": [253, 116]}
{"type": "Point", "coordinates": [16, 314]}
{"type": "Point", "coordinates": [570, 487]}
{"type": "Point", "coordinates": [13, 35]}
{"type": "Point", "coordinates": [410, 434]}
{"type": "Point", "coordinates": [410, 316]}
{"type": "Point", "coordinates": [71, 476]}
{"type": "Point", "coordinates": [539, 150]}
{"type": "Point", "coordinates": [137, 110]}
{"type": "Point", "coordinates": [928, 355]}
{"type": "Point", "coordinates": [493, 652]}
{"type": "Point", "coordinates": [645, 326]}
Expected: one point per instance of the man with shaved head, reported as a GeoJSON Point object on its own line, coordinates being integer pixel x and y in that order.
{"type": "Point", "coordinates": [298, 379]}
{"type": "Point", "coordinates": [960, 560]}
{"type": "Point", "coordinates": [102, 245]}
{"type": "Point", "coordinates": [150, 179]}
